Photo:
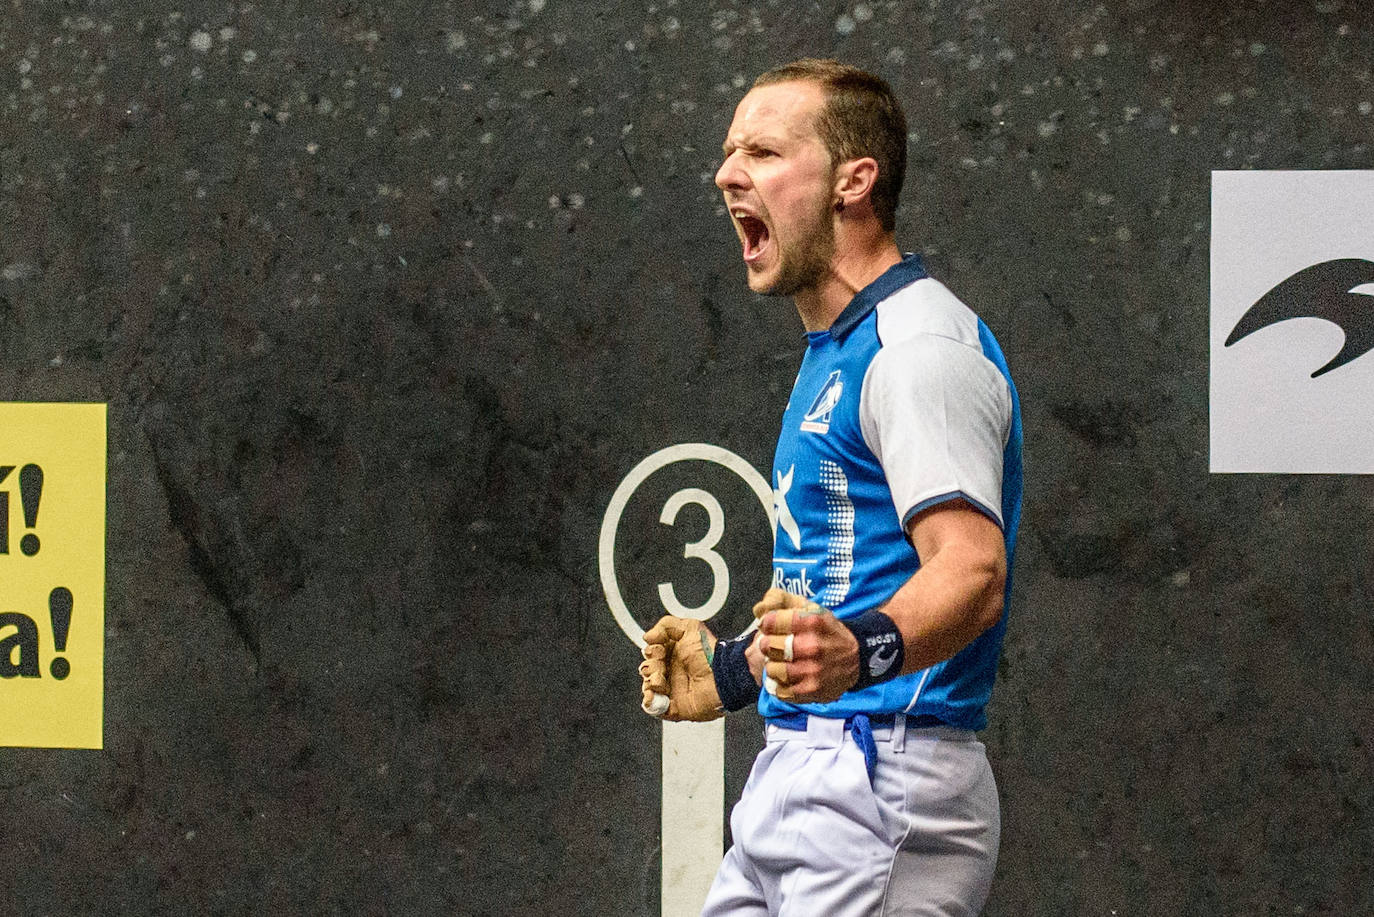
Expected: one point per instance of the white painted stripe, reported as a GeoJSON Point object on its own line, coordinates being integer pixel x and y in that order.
{"type": "Point", "coordinates": [693, 813]}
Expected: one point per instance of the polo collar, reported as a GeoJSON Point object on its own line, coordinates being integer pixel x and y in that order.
{"type": "Point", "coordinates": [904, 272]}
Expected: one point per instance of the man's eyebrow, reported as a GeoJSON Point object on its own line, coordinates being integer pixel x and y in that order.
{"type": "Point", "coordinates": [750, 143]}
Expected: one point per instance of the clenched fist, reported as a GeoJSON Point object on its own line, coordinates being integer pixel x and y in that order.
{"type": "Point", "coordinates": [677, 665]}
{"type": "Point", "coordinates": [812, 656]}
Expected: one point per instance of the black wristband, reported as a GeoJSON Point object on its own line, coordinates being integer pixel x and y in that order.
{"type": "Point", "coordinates": [734, 682]}
{"type": "Point", "coordinates": [880, 648]}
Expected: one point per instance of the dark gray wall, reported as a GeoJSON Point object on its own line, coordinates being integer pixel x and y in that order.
{"type": "Point", "coordinates": [385, 300]}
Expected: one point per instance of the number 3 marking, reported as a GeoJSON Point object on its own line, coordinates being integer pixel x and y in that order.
{"type": "Point", "coordinates": [700, 550]}
{"type": "Point", "coordinates": [693, 754]}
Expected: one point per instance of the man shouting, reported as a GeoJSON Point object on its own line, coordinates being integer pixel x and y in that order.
{"type": "Point", "coordinates": [897, 478]}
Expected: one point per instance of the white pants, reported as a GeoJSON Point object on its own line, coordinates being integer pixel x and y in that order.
{"type": "Point", "coordinates": [812, 838]}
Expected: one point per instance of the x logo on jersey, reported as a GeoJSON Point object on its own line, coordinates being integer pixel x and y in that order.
{"type": "Point", "coordinates": [780, 508]}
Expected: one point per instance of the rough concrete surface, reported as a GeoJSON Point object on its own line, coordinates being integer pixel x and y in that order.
{"type": "Point", "coordinates": [385, 299]}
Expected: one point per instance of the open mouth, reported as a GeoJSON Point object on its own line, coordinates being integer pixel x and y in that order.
{"type": "Point", "coordinates": [755, 233]}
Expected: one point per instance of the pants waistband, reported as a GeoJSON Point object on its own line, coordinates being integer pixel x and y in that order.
{"type": "Point", "coordinates": [829, 732]}
{"type": "Point", "coordinates": [799, 721]}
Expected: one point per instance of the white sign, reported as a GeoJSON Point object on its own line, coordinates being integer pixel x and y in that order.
{"type": "Point", "coordinates": [1292, 376]}
{"type": "Point", "coordinates": [693, 813]}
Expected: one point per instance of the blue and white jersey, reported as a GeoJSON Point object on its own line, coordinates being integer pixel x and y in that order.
{"type": "Point", "coordinates": [905, 402]}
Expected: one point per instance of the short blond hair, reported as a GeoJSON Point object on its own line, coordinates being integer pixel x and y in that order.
{"type": "Point", "coordinates": [862, 117]}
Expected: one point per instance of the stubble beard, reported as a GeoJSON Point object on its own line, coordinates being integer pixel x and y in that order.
{"type": "Point", "coordinates": [805, 264]}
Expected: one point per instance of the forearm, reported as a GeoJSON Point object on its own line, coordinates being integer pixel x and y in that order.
{"type": "Point", "coordinates": [954, 596]}
{"type": "Point", "coordinates": [947, 604]}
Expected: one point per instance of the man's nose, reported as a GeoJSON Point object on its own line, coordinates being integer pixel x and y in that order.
{"type": "Point", "coordinates": [730, 177]}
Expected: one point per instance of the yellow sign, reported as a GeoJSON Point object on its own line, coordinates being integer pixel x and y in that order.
{"type": "Point", "coordinates": [52, 575]}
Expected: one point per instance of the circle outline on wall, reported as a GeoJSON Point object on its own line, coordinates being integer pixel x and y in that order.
{"type": "Point", "coordinates": [610, 522]}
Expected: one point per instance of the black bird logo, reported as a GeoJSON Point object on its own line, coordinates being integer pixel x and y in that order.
{"type": "Point", "coordinates": [1320, 291]}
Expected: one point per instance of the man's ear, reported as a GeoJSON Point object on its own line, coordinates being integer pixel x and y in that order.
{"type": "Point", "coordinates": [854, 181]}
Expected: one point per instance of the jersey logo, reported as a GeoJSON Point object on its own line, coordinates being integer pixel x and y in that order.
{"type": "Point", "coordinates": [881, 661]}
{"type": "Point", "coordinates": [797, 585]}
{"type": "Point", "coordinates": [786, 521]}
{"type": "Point", "coordinates": [817, 419]}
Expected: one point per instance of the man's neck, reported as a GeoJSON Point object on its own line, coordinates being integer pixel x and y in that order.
{"type": "Point", "coordinates": [853, 268]}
